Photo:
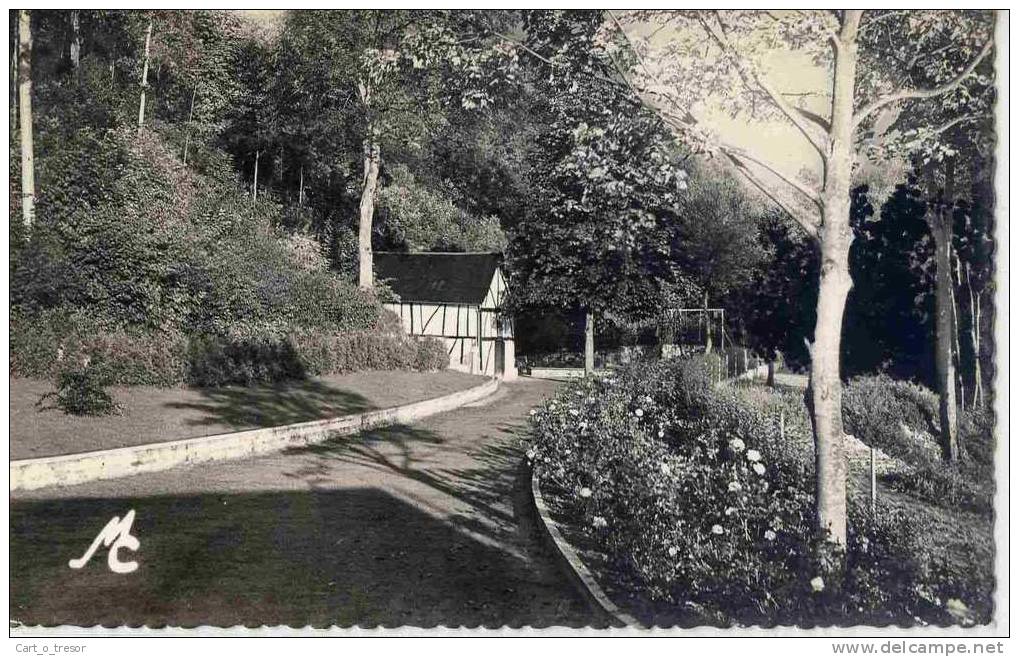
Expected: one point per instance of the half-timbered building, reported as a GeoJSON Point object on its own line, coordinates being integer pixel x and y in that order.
{"type": "Point", "coordinates": [456, 297]}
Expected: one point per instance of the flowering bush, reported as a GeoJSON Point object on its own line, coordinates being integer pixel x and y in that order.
{"type": "Point", "coordinates": [691, 495]}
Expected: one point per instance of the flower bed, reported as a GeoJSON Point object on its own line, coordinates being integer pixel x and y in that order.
{"type": "Point", "coordinates": [698, 510]}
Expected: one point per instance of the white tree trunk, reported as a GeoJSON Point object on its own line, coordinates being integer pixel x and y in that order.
{"type": "Point", "coordinates": [300, 189]}
{"type": "Point", "coordinates": [941, 228]}
{"type": "Point", "coordinates": [25, 116]}
{"type": "Point", "coordinates": [75, 41]}
{"type": "Point", "coordinates": [187, 130]}
{"type": "Point", "coordinates": [369, 192]}
{"type": "Point", "coordinates": [254, 178]}
{"type": "Point", "coordinates": [588, 343]}
{"type": "Point", "coordinates": [145, 78]}
{"type": "Point", "coordinates": [825, 391]}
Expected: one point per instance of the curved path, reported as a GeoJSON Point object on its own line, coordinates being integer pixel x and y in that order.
{"type": "Point", "coordinates": [419, 525]}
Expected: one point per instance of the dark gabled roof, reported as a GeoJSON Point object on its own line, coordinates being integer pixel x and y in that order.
{"type": "Point", "coordinates": [438, 277]}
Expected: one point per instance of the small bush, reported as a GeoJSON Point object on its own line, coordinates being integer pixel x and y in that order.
{"type": "Point", "coordinates": [82, 391]}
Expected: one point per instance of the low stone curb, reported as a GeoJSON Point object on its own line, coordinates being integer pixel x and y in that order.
{"type": "Point", "coordinates": [70, 469]}
{"type": "Point", "coordinates": [575, 570]}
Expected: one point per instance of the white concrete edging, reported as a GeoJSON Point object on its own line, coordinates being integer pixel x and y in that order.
{"type": "Point", "coordinates": [574, 568]}
{"type": "Point", "coordinates": [70, 469]}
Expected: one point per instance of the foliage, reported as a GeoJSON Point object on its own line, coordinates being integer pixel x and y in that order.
{"type": "Point", "coordinates": [82, 391]}
{"type": "Point", "coordinates": [419, 219]}
{"type": "Point", "coordinates": [605, 187]}
{"type": "Point", "coordinates": [696, 502]}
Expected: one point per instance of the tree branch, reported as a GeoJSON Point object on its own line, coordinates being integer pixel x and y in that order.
{"type": "Point", "coordinates": [718, 34]}
{"type": "Point", "coordinates": [907, 94]}
{"type": "Point", "coordinates": [807, 223]}
{"type": "Point", "coordinates": [811, 194]}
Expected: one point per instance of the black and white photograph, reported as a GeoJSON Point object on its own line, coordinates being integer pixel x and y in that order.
{"type": "Point", "coordinates": [509, 322]}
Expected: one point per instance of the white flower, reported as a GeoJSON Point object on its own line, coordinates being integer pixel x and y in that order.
{"type": "Point", "coordinates": [737, 445]}
{"type": "Point", "coordinates": [599, 522]}
{"type": "Point", "coordinates": [661, 433]}
{"type": "Point", "coordinates": [753, 455]}
{"type": "Point", "coordinates": [764, 486]}
{"type": "Point", "coordinates": [770, 535]}
{"type": "Point", "coordinates": [758, 468]}
{"type": "Point", "coordinates": [666, 470]}
{"type": "Point", "coordinates": [735, 487]}
{"type": "Point", "coordinates": [574, 412]}
{"type": "Point", "coordinates": [717, 529]}
{"type": "Point", "coordinates": [817, 584]}
{"type": "Point", "coordinates": [585, 492]}
{"type": "Point", "coordinates": [673, 551]}
{"type": "Point", "coordinates": [639, 412]}
{"type": "Point", "coordinates": [730, 510]}
{"type": "Point", "coordinates": [531, 454]}
{"type": "Point", "coordinates": [647, 399]}
{"type": "Point", "coordinates": [534, 411]}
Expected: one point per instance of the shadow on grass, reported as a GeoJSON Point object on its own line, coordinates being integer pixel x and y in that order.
{"type": "Point", "coordinates": [274, 405]}
{"type": "Point", "coordinates": [345, 557]}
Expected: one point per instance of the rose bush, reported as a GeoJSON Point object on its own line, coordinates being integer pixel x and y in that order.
{"type": "Point", "coordinates": [691, 495]}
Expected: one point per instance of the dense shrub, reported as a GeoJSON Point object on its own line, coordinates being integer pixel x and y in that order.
{"type": "Point", "coordinates": [368, 350]}
{"type": "Point", "coordinates": [697, 503]}
{"type": "Point", "coordinates": [218, 361]}
{"type": "Point", "coordinates": [901, 419]}
{"type": "Point", "coordinates": [898, 417]}
{"type": "Point", "coordinates": [42, 344]}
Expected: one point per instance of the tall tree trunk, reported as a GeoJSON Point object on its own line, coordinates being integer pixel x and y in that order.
{"type": "Point", "coordinates": [254, 179]}
{"type": "Point", "coordinates": [145, 78]}
{"type": "Point", "coordinates": [75, 49]}
{"type": "Point", "coordinates": [187, 130]}
{"type": "Point", "coordinates": [940, 222]}
{"type": "Point", "coordinates": [300, 189]}
{"type": "Point", "coordinates": [25, 112]}
{"type": "Point", "coordinates": [707, 325]}
{"type": "Point", "coordinates": [588, 343]}
{"type": "Point", "coordinates": [771, 373]}
{"type": "Point", "coordinates": [369, 192]}
{"type": "Point", "coordinates": [974, 338]}
{"type": "Point", "coordinates": [824, 393]}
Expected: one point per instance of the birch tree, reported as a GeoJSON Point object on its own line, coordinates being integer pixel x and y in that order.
{"type": "Point", "coordinates": [25, 118]}
{"type": "Point", "coordinates": [686, 64]}
{"type": "Point", "coordinates": [143, 85]}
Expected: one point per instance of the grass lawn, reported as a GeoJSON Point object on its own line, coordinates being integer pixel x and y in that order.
{"type": "Point", "coordinates": [159, 414]}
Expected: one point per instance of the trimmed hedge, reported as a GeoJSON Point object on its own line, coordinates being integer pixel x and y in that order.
{"type": "Point", "coordinates": [47, 344]}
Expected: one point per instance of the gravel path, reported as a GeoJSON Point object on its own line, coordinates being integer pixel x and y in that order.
{"type": "Point", "coordinates": [419, 525]}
